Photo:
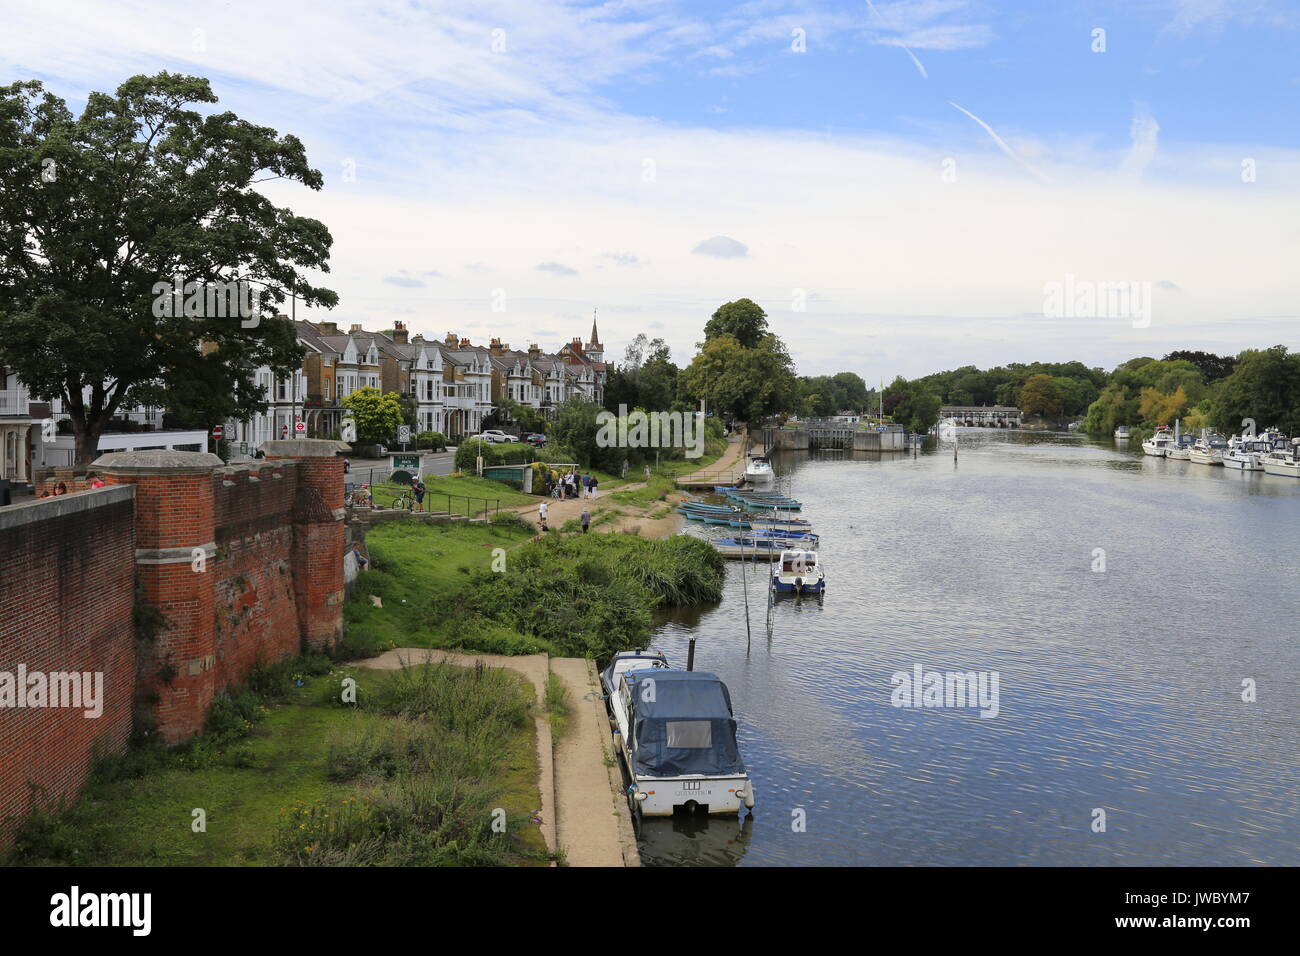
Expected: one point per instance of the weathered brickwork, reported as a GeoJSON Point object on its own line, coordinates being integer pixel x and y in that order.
{"type": "Point", "coordinates": [244, 565]}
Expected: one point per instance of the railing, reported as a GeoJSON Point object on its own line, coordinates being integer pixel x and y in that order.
{"type": "Point", "coordinates": [14, 401]}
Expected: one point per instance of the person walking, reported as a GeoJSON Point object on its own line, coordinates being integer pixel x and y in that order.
{"type": "Point", "coordinates": [594, 483]}
{"type": "Point", "coordinates": [541, 515]}
{"type": "Point", "coordinates": [586, 485]}
{"type": "Point", "coordinates": [586, 520]}
{"type": "Point", "coordinates": [418, 488]}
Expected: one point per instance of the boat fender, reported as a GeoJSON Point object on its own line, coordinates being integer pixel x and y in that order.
{"type": "Point", "coordinates": [798, 582]}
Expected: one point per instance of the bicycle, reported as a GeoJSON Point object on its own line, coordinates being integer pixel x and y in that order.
{"type": "Point", "coordinates": [404, 502]}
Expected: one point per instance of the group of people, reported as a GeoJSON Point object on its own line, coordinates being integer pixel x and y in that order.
{"type": "Point", "coordinates": [61, 488]}
{"type": "Point", "coordinates": [573, 485]}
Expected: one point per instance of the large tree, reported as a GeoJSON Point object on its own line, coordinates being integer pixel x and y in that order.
{"type": "Point", "coordinates": [744, 320]}
{"type": "Point", "coordinates": [1264, 385]}
{"type": "Point", "coordinates": [97, 211]}
{"type": "Point", "coordinates": [746, 384]}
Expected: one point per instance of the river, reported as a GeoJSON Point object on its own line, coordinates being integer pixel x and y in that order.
{"type": "Point", "coordinates": [1120, 691]}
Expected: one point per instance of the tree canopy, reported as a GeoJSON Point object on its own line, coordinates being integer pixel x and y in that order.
{"type": "Point", "coordinates": [98, 211]}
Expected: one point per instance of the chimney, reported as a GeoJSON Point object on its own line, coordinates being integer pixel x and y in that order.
{"type": "Point", "coordinates": [417, 339]}
{"type": "Point", "coordinates": [496, 348]}
{"type": "Point", "coordinates": [328, 328]}
{"type": "Point", "coordinates": [399, 333]}
{"type": "Point", "coordinates": [450, 341]}
{"type": "Point", "coordinates": [534, 351]}
{"type": "Point", "coordinates": [356, 327]}
{"type": "Point", "coordinates": [464, 343]}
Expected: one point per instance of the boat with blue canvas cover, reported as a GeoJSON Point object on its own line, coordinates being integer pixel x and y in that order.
{"type": "Point", "coordinates": [677, 735]}
{"type": "Point", "coordinates": [800, 572]}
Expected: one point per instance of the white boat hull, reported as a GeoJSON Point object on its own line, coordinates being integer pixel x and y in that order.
{"type": "Point", "coordinates": [1248, 463]}
{"type": "Point", "coordinates": [1282, 469]}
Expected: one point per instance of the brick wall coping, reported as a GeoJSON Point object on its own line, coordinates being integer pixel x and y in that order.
{"type": "Point", "coordinates": [157, 460]}
{"type": "Point", "coordinates": [39, 509]}
{"type": "Point", "coordinates": [299, 448]}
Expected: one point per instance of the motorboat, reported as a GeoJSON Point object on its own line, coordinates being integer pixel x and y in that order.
{"type": "Point", "coordinates": [1283, 463]}
{"type": "Point", "coordinates": [1158, 445]}
{"type": "Point", "coordinates": [677, 733]}
{"type": "Point", "coordinates": [800, 572]}
{"type": "Point", "coordinates": [624, 662]}
{"type": "Point", "coordinates": [1181, 449]}
{"type": "Point", "coordinates": [1209, 450]}
{"type": "Point", "coordinates": [1245, 453]}
{"type": "Point", "coordinates": [1122, 433]}
{"type": "Point", "coordinates": [759, 470]}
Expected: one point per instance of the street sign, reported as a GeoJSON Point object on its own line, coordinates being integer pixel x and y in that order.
{"type": "Point", "coordinates": [284, 431]}
{"type": "Point", "coordinates": [300, 428]}
{"type": "Point", "coordinates": [403, 433]}
{"type": "Point", "coordinates": [217, 432]}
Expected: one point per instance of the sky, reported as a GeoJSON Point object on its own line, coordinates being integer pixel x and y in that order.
{"type": "Point", "coordinates": [898, 184]}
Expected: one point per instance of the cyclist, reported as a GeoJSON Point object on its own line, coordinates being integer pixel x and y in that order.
{"type": "Point", "coordinates": [418, 487]}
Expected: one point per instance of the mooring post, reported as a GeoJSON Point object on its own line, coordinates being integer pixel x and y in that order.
{"type": "Point", "coordinates": [690, 656]}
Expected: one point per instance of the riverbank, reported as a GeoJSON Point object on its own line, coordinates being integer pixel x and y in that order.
{"type": "Point", "coordinates": [644, 508]}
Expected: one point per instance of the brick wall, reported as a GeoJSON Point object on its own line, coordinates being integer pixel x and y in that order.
{"type": "Point", "coordinates": [66, 572]}
{"type": "Point", "coordinates": [244, 564]}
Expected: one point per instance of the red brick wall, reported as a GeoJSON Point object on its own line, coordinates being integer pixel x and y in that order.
{"type": "Point", "coordinates": [65, 605]}
{"type": "Point", "coordinates": [272, 580]}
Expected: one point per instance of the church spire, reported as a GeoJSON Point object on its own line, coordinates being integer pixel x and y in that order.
{"type": "Point", "coordinates": [595, 336]}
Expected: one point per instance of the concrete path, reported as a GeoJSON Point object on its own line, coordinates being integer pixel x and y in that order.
{"type": "Point", "coordinates": [594, 826]}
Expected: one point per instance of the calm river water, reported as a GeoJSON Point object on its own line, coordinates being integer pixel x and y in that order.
{"type": "Point", "coordinates": [1118, 689]}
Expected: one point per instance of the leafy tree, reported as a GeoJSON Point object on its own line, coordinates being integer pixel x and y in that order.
{"type": "Point", "coordinates": [1040, 396]}
{"type": "Point", "coordinates": [746, 384]}
{"type": "Point", "coordinates": [97, 210]}
{"type": "Point", "coordinates": [744, 320]}
{"type": "Point", "coordinates": [1212, 367]}
{"type": "Point", "coordinates": [912, 404]}
{"type": "Point", "coordinates": [377, 414]}
{"type": "Point", "coordinates": [1161, 408]}
{"type": "Point", "coordinates": [1264, 385]}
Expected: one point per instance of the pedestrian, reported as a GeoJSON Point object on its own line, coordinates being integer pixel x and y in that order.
{"type": "Point", "coordinates": [594, 483]}
{"type": "Point", "coordinates": [418, 487]}
{"type": "Point", "coordinates": [647, 472]}
{"type": "Point", "coordinates": [586, 485]}
{"type": "Point", "coordinates": [347, 465]}
{"type": "Point", "coordinates": [541, 515]}
{"type": "Point", "coordinates": [586, 520]}
{"type": "Point", "coordinates": [60, 489]}
{"type": "Point", "coordinates": [96, 481]}
{"type": "Point", "coordinates": [362, 560]}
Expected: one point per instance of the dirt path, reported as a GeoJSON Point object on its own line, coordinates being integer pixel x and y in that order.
{"type": "Point", "coordinates": [594, 826]}
{"type": "Point", "coordinates": [634, 519]}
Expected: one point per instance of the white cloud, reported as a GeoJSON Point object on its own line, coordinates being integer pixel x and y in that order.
{"type": "Point", "coordinates": [721, 247]}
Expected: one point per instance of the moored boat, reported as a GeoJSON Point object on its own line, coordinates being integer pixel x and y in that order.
{"type": "Point", "coordinates": [1159, 444]}
{"type": "Point", "coordinates": [1209, 450]}
{"type": "Point", "coordinates": [624, 662]}
{"type": "Point", "coordinates": [1121, 433]}
{"type": "Point", "coordinates": [761, 545]}
{"type": "Point", "coordinates": [677, 735]}
{"type": "Point", "coordinates": [1284, 463]}
{"type": "Point", "coordinates": [800, 572]}
{"type": "Point", "coordinates": [759, 470]}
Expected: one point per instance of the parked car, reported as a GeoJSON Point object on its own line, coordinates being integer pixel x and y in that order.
{"type": "Point", "coordinates": [496, 437]}
{"type": "Point", "coordinates": [535, 438]}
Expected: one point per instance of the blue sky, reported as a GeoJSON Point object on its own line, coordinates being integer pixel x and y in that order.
{"type": "Point", "coordinates": [897, 193]}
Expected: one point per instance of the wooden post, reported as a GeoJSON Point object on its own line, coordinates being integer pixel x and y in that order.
{"type": "Point", "coordinates": [690, 656]}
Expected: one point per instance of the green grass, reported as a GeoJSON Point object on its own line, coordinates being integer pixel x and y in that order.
{"type": "Point", "coordinates": [556, 702]}
{"type": "Point", "coordinates": [656, 489]}
{"type": "Point", "coordinates": [467, 491]}
{"type": "Point", "coordinates": [411, 565]}
{"type": "Point", "coordinates": [138, 809]}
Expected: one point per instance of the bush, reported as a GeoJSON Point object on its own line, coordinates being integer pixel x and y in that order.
{"type": "Point", "coordinates": [435, 441]}
{"type": "Point", "coordinates": [468, 451]}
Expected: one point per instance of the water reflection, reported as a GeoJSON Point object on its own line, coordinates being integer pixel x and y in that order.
{"type": "Point", "coordinates": [1120, 689]}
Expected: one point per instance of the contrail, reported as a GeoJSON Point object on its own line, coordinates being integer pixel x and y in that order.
{"type": "Point", "coordinates": [1002, 143]}
{"type": "Point", "coordinates": [919, 66]}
